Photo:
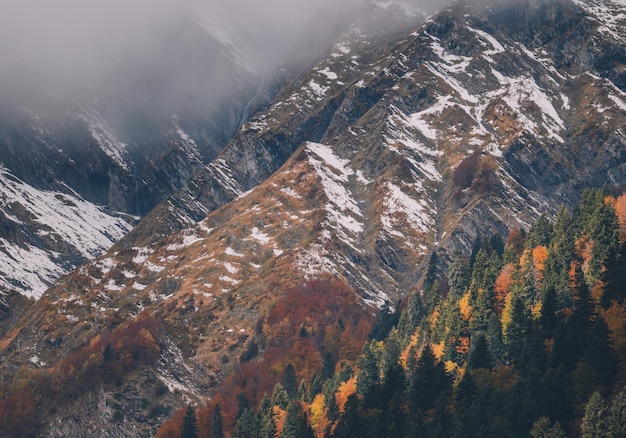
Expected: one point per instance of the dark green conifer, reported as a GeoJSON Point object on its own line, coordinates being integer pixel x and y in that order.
{"type": "Point", "coordinates": [594, 424]}
{"type": "Point", "coordinates": [289, 381]}
{"type": "Point", "coordinates": [280, 397]}
{"type": "Point", "coordinates": [543, 428]}
{"type": "Point", "coordinates": [480, 356]}
{"type": "Point", "coordinates": [459, 275]}
{"type": "Point", "coordinates": [296, 424]}
{"type": "Point", "coordinates": [247, 425]}
{"type": "Point", "coordinates": [190, 425]}
{"type": "Point", "coordinates": [217, 423]}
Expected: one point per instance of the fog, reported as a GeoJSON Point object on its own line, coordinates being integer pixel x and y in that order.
{"type": "Point", "coordinates": [80, 39]}
{"type": "Point", "coordinates": [83, 38]}
{"type": "Point", "coordinates": [145, 50]}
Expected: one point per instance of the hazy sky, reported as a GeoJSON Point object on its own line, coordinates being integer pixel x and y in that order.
{"type": "Point", "coordinates": [83, 35]}
{"type": "Point", "coordinates": [83, 41]}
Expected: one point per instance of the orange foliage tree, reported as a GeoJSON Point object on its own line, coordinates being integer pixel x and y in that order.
{"type": "Point", "coordinates": [306, 322]}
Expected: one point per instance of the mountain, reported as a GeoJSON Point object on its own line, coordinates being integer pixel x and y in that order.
{"type": "Point", "coordinates": [80, 166]}
{"type": "Point", "coordinates": [389, 148]}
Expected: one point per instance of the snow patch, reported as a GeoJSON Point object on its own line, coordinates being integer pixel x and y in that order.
{"type": "Point", "coordinates": [401, 208]}
{"type": "Point", "coordinates": [259, 236]}
{"type": "Point", "coordinates": [334, 175]}
{"type": "Point", "coordinates": [314, 261]}
{"type": "Point", "coordinates": [105, 136]}
{"type": "Point", "coordinates": [231, 252]}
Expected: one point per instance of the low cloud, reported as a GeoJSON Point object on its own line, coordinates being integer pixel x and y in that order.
{"type": "Point", "coordinates": [73, 45]}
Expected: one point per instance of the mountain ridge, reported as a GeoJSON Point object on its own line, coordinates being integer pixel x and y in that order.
{"type": "Point", "coordinates": [455, 132]}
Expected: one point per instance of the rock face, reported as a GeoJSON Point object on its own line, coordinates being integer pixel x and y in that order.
{"type": "Point", "coordinates": [472, 124]}
{"type": "Point", "coordinates": [79, 168]}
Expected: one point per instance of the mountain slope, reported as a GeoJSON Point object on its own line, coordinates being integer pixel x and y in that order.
{"type": "Point", "coordinates": [94, 161]}
{"type": "Point", "coordinates": [472, 125]}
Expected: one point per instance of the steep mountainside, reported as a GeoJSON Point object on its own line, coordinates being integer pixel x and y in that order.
{"type": "Point", "coordinates": [474, 124]}
{"type": "Point", "coordinates": [80, 167]}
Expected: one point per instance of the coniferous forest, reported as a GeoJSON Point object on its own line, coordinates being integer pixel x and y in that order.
{"type": "Point", "coordinates": [521, 338]}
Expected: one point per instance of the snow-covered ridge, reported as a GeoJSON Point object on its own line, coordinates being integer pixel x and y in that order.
{"type": "Point", "coordinates": [334, 174]}
{"type": "Point", "coordinates": [57, 217]}
{"type": "Point", "coordinates": [106, 137]}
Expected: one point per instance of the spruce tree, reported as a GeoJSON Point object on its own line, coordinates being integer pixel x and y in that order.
{"type": "Point", "coordinates": [280, 397]}
{"type": "Point", "coordinates": [599, 352]}
{"type": "Point", "coordinates": [368, 378]}
{"type": "Point", "coordinates": [350, 424]}
{"type": "Point", "coordinates": [459, 275]}
{"type": "Point", "coordinates": [296, 424]}
{"type": "Point", "coordinates": [265, 418]}
{"type": "Point", "coordinates": [480, 356]}
{"type": "Point", "coordinates": [247, 425]}
{"type": "Point", "coordinates": [392, 374]}
{"type": "Point", "coordinates": [594, 423]}
{"type": "Point", "coordinates": [543, 428]}
{"type": "Point", "coordinates": [548, 319]}
{"type": "Point", "coordinates": [190, 425]}
{"type": "Point", "coordinates": [217, 423]}
{"type": "Point", "coordinates": [427, 381]}
{"type": "Point", "coordinates": [289, 381]}
{"type": "Point", "coordinates": [540, 234]}
{"type": "Point", "coordinates": [617, 416]}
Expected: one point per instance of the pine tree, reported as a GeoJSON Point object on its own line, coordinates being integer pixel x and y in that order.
{"type": "Point", "coordinates": [412, 316]}
{"type": "Point", "coordinates": [482, 310]}
{"type": "Point", "coordinates": [328, 366]}
{"type": "Point", "coordinates": [190, 425]}
{"type": "Point", "coordinates": [614, 277]}
{"type": "Point", "coordinates": [289, 381]}
{"type": "Point", "coordinates": [599, 353]}
{"type": "Point", "coordinates": [456, 332]}
{"type": "Point", "coordinates": [296, 424]}
{"type": "Point", "coordinates": [315, 387]}
{"type": "Point", "coordinates": [543, 428]}
{"type": "Point", "coordinates": [427, 381]}
{"type": "Point", "coordinates": [280, 397]}
{"type": "Point", "coordinates": [385, 321]}
{"type": "Point", "coordinates": [367, 380]}
{"type": "Point", "coordinates": [392, 374]}
{"type": "Point", "coordinates": [459, 275]}
{"type": "Point", "coordinates": [617, 416]}
{"type": "Point", "coordinates": [560, 255]}
{"type": "Point", "coordinates": [523, 339]}
{"type": "Point", "coordinates": [246, 426]}
{"type": "Point", "coordinates": [217, 423]}
{"type": "Point", "coordinates": [480, 356]}
{"type": "Point", "coordinates": [350, 423]}
{"type": "Point", "coordinates": [548, 319]}
{"type": "Point", "coordinates": [540, 234]}
{"type": "Point", "coordinates": [495, 339]}
{"type": "Point", "coordinates": [570, 336]}
{"type": "Point", "coordinates": [265, 418]}
{"type": "Point", "coordinates": [597, 221]}
{"type": "Point", "coordinates": [594, 423]}
{"type": "Point", "coordinates": [431, 271]}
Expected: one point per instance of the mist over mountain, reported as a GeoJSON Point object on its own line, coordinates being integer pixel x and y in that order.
{"type": "Point", "coordinates": [202, 201]}
{"type": "Point", "coordinates": [79, 46]}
